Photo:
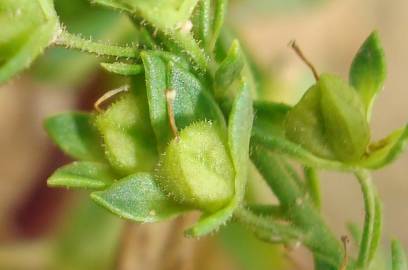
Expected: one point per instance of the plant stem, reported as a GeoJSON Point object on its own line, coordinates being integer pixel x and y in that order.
{"type": "Point", "coordinates": [317, 237]}
{"type": "Point", "coordinates": [266, 228]}
{"type": "Point", "coordinates": [368, 191]}
{"type": "Point", "coordinates": [76, 42]}
{"type": "Point", "coordinates": [313, 186]}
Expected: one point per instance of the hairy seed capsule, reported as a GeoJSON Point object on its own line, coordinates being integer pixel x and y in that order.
{"type": "Point", "coordinates": [196, 168]}
{"type": "Point", "coordinates": [128, 142]}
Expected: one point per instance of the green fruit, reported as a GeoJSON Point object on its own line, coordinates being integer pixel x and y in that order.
{"type": "Point", "coordinates": [128, 139]}
{"type": "Point", "coordinates": [330, 121]}
{"type": "Point", "coordinates": [196, 168]}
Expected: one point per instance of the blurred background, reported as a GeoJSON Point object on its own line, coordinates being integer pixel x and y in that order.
{"type": "Point", "coordinates": [42, 228]}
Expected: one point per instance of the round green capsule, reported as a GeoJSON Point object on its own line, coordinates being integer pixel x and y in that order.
{"type": "Point", "coordinates": [196, 168]}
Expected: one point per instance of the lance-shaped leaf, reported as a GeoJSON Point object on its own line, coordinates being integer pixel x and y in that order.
{"type": "Point", "coordinates": [386, 150]}
{"type": "Point", "coordinates": [345, 124]}
{"type": "Point", "coordinates": [27, 28]}
{"type": "Point", "coordinates": [230, 68]}
{"type": "Point", "coordinates": [83, 174]}
{"type": "Point", "coordinates": [368, 71]}
{"type": "Point", "coordinates": [74, 133]}
{"type": "Point", "coordinates": [138, 198]}
{"type": "Point", "coordinates": [192, 102]}
{"type": "Point", "coordinates": [239, 133]}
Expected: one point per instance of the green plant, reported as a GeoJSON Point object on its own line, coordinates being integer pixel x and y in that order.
{"type": "Point", "coordinates": [183, 134]}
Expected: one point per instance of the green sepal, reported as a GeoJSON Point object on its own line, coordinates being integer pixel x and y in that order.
{"type": "Point", "coordinates": [303, 125]}
{"type": "Point", "coordinates": [138, 198]}
{"type": "Point", "coordinates": [127, 136]}
{"type": "Point", "coordinates": [385, 151]}
{"type": "Point", "coordinates": [74, 133]}
{"type": "Point", "coordinates": [28, 27]}
{"type": "Point", "coordinates": [398, 256]}
{"type": "Point", "coordinates": [239, 133]}
{"type": "Point", "coordinates": [230, 68]}
{"type": "Point", "coordinates": [345, 124]}
{"type": "Point", "coordinates": [82, 175]}
{"type": "Point", "coordinates": [368, 71]}
{"type": "Point", "coordinates": [193, 102]}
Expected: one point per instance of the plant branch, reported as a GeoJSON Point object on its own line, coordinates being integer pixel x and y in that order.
{"type": "Point", "coordinates": [318, 238]}
{"type": "Point", "coordinates": [69, 40]}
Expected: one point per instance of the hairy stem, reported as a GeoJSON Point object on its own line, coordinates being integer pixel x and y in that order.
{"type": "Point", "coordinates": [76, 42]}
{"type": "Point", "coordinates": [317, 237]}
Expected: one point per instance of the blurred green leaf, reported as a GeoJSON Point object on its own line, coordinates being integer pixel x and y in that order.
{"type": "Point", "coordinates": [138, 198]}
{"type": "Point", "coordinates": [368, 71]}
{"type": "Point", "coordinates": [249, 252]}
{"type": "Point", "coordinates": [88, 240]}
{"type": "Point", "coordinates": [74, 133]}
{"type": "Point", "coordinates": [399, 257]}
{"type": "Point", "coordinates": [28, 27]}
{"type": "Point", "coordinates": [239, 133]}
{"type": "Point", "coordinates": [83, 174]}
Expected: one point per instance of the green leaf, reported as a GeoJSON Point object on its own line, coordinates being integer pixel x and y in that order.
{"type": "Point", "coordinates": [230, 68]}
{"type": "Point", "coordinates": [28, 27]}
{"type": "Point", "coordinates": [138, 198]}
{"type": "Point", "coordinates": [399, 257]}
{"type": "Point", "coordinates": [192, 103]}
{"type": "Point", "coordinates": [219, 15]}
{"type": "Point", "coordinates": [123, 68]}
{"type": "Point", "coordinates": [84, 174]}
{"type": "Point", "coordinates": [202, 22]}
{"type": "Point", "coordinates": [89, 239]}
{"type": "Point", "coordinates": [127, 136]}
{"type": "Point", "coordinates": [345, 122]}
{"type": "Point", "coordinates": [269, 118]}
{"type": "Point", "coordinates": [239, 133]}
{"type": "Point", "coordinates": [75, 135]}
{"type": "Point", "coordinates": [368, 70]}
{"type": "Point", "coordinates": [385, 151]}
